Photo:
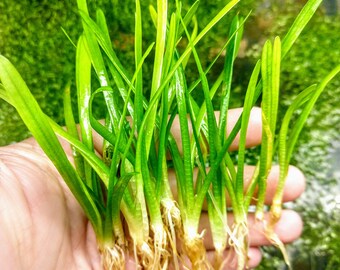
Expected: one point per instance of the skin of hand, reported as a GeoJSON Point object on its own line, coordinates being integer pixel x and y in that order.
{"type": "Point", "coordinates": [43, 227]}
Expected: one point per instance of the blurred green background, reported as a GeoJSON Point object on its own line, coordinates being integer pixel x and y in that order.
{"type": "Point", "coordinates": [31, 37]}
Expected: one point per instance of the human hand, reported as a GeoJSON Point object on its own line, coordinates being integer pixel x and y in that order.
{"type": "Point", "coordinates": [43, 227]}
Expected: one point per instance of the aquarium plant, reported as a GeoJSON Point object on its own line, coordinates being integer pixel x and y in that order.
{"type": "Point", "coordinates": [125, 193]}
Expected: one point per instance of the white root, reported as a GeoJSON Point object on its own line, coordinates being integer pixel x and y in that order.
{"type": "Point", "coordinates": [113, 258]}
{"type": "Point", "coordinates": [173, 223]}
{"type": "Point", "coordinates": [239, 242]}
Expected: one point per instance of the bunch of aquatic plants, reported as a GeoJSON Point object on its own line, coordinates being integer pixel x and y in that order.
{"type": "Point", "coordinates": [126, 193]}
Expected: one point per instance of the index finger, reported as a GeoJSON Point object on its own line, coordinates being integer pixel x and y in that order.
{"type": "Point", "coordinates": [253, 138]}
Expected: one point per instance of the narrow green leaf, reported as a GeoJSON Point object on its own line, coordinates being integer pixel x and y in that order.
{"type": "Point", "coordinates": [83, 79]}
{"type": "Point", "coordinates": [138, 101]}
{"type": "Point", "coordinates": [271, 59]}
{"type": "Point", "coordinates": [299, 24]}
{"type": "Point", "coordinates": [300, 100]}
{"type": "Point", "coordinates": [73, 131]}
{"type": "Point", "coordinates": [248, 104]}
{"type": "Point", "coordinates": [68, 37]}
{"type": "Point", "coordinates": [153, 15]}
{"type": "Point", "coordinates": [158, 69]}
{"type": "Point", "coordinates": [231, 53]}
{"type": "Point", "coordinates": [188, 17]}
{"type": "Point", "coordinates": [185, 137]}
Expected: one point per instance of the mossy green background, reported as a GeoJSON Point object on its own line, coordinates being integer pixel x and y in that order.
{"type": "Point", "coordinates": [31, 37]}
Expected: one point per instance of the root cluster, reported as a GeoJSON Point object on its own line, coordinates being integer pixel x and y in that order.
{"type": "Point", "coordinates": [171, 248]}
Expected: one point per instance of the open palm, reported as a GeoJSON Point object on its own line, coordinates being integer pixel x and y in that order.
{"type": "Point", "coordinates": [43, 227]}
